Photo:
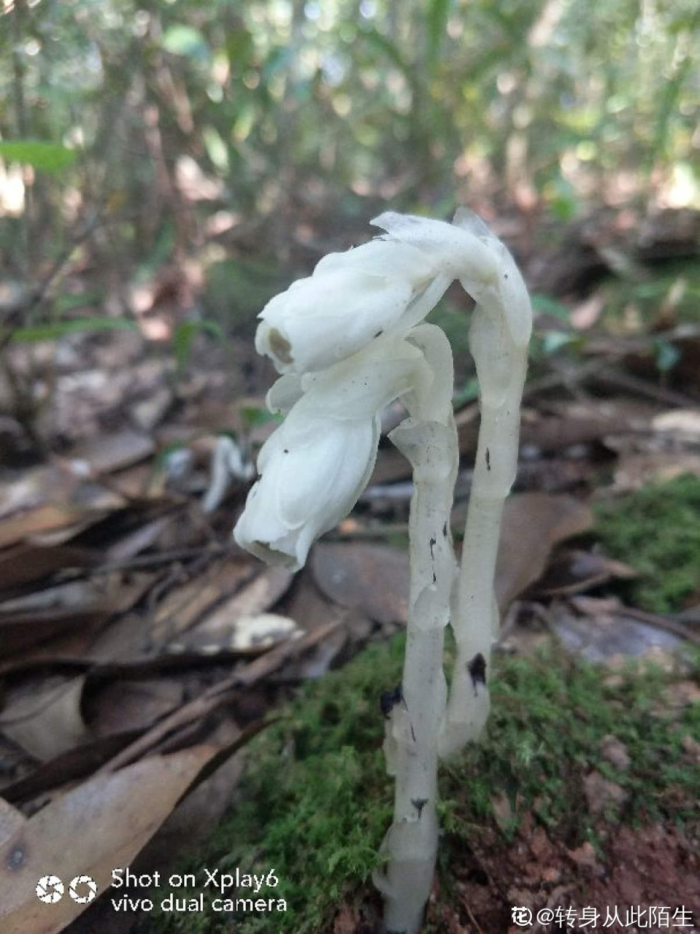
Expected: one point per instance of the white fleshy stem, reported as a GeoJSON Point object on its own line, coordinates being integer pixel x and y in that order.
{"type": "Point", "coordinates": [429, 440]}
{"type": "Point", "coordinates": [501, 367]}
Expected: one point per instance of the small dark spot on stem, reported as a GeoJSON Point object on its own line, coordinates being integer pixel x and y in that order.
{"type": "Point", "coordinates": [488, 459]}
{"type": "Point", "coordinates": [413, 734]}
{"type": "Point", "coordinates": [286, 450]}
{"type": "Point", "coordinates": [433, 543]}
{"type": "Point", "coordinates": [434, 578]}
{"type": "Point", "coordinates": [477, 670]}
{"type": "Point", "coordinates": [505, 275]}
{"type": "Point", "coordinates": [444, 530]}
{"type": "Point", "coordinates": [379, 333]}
{"type": "Point", "coordinates": [419, 804]}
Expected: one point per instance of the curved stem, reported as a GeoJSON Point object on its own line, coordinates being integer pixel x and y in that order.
{"type": "Point", "coordinates": [429, 441]}
{"type": "Point", "coordinates": [501, 367]}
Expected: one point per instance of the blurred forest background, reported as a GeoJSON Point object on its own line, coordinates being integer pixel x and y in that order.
{"type": "Point", "coordinates": [201, 155]}
{"type": "Point", "coordinates": [166, 167]}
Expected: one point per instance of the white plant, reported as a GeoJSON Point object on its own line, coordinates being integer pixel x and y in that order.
{"type": "Point", "coordinates": [349, 340]}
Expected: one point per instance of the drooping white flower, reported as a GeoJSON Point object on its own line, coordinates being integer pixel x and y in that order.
{"type": "Point", "coordinates": [311, 476]}
{"type": "Point", "coordinates": [388, 286]}
{"type": "Point", "coordinates": [350, 299]}
{"type": "Point", "coordinates": [338, 338]}
{"type": "Point", "coordinates": [316, 464]}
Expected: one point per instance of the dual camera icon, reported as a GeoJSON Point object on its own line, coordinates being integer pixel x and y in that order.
{"type": "Point", "coordinates": [50, 889]}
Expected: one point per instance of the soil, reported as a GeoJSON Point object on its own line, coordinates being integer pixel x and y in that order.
{"type": "Point", "coordinates": [653, 867]}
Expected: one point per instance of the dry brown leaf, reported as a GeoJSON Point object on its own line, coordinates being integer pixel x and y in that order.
{"type": "Point", "coordinates": [196, 817]}
{"type": "Point", "coordinates": [601, 631]}
{"type": "Point", "coordinates": [73, 595]}
{"type": "Point", "coordinates": [131, 704]}
{"type": "Point", "coordinates": [307, 605]}
{"type": "Point", "coordinates": [185, 605]}
{"type": "Point", "coordinates": [43, 716]}
{"type": "Point", "coordinates": [136, 541]}
{"type": "Point", "coordinates": [34, 488]}
{"type": "Point", "coordinates": [71, 611]}
{"type": "Point", "coordinates": [47, 518]}
{"type": "Point", "coordinates": [636, 470]}
{"type": "Point", "coordinates": [21, 630]}
{"type": "Point", "coordinates": [97, 827]}
{"type": "Point", "coordinates": [243, 678]}
{"type": "Point", "coordinates": [574, 571]}
{"type": "Point", "coordinates": [252, 600]}
{"type": "Point", "coordinates": [109, 453]}
{"type": "Point", "coordinates": [76, 763]}
{"type": "Point", "coordinates": [11, 821]}
{"type": "Point", "coordinates": [533, 523]}
{"type": "Point", "coordinates": [313, 611]}
{"type": "Point", "coordinates": [681, 424]}
{"type": "Point", "coordinates": [27, 563]}
{"type": "Point", "coordinates": [67, 647]}
{"type": "Point", "coordinates": [371, 578]}
{"type": "Point", "coordinates": [125, 639]}
{"type": "Point", "coordinates": [248, 632]}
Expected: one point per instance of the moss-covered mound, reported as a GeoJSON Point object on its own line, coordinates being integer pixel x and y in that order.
{"type": "Point", "coordinates": [315, 802]}
{"type": "Point", "coordinates": [656, 530]}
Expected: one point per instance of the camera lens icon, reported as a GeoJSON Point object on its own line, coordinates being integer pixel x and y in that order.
{"type": "Point", "coordinates": [50, 889]}
{"type": "Point", "coordinates": [82, 889]}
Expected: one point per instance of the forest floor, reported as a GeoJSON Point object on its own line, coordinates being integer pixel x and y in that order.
{"type": "Point", "coordinates": [141, 652]}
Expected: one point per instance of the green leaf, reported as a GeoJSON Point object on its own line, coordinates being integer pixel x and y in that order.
{"type": "Point", "coordinates": [57, 329]}
{"type": "Point", "coordinates": [555, 340]}
{"type": "Point", "coordinates": [41, 155]}
{"type": "Point", "coordinates": [186, 332]}
{"type": "Point", "coordinates": [253, 417]}
{"type": "Point", "coordinates": [187, 41]}
{"type": "Point", "coordinates": [216, 148]}
{"type": "Point", "coordinates": [550, 306]}
{"type": "Point", "coordinates": [69, 301]}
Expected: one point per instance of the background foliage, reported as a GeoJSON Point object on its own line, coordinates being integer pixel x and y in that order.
{"type": "Point", "coordinates": [138, 122]}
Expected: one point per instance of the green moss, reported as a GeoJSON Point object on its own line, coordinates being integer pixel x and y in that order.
{"type": "Point", "coordinates": [656, 530]}
{"type": "Point", "coordinates": [548, 719]}
{"type": "Point", "coordinates": [316, 802]}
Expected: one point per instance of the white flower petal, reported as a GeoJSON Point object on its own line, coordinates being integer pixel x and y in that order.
{"type": "Point", "coordinates": [283, 394]}
{"type": "Point", "coordinates": [306, 490]}
{"type": "Point", "coordinates": [329, 317]}
{"type": "Point", "coordinates": [367, 382]}
{"type": "Point", "coordinates": [380, 257]}
{"type": "Point", "coordinates": [312, 472]}
{"type": "Point", "coordinates": [457, 252]}
{"type": "Point", "coordinates": [314, 467]}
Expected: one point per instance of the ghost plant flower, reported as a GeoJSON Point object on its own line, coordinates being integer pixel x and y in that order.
{"type": "Point", "coordinates": [314, 467]}
{"type": "Point", "coordinates": [348, 340]}
{"type": "Point", "coordinates": [352, 298]}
